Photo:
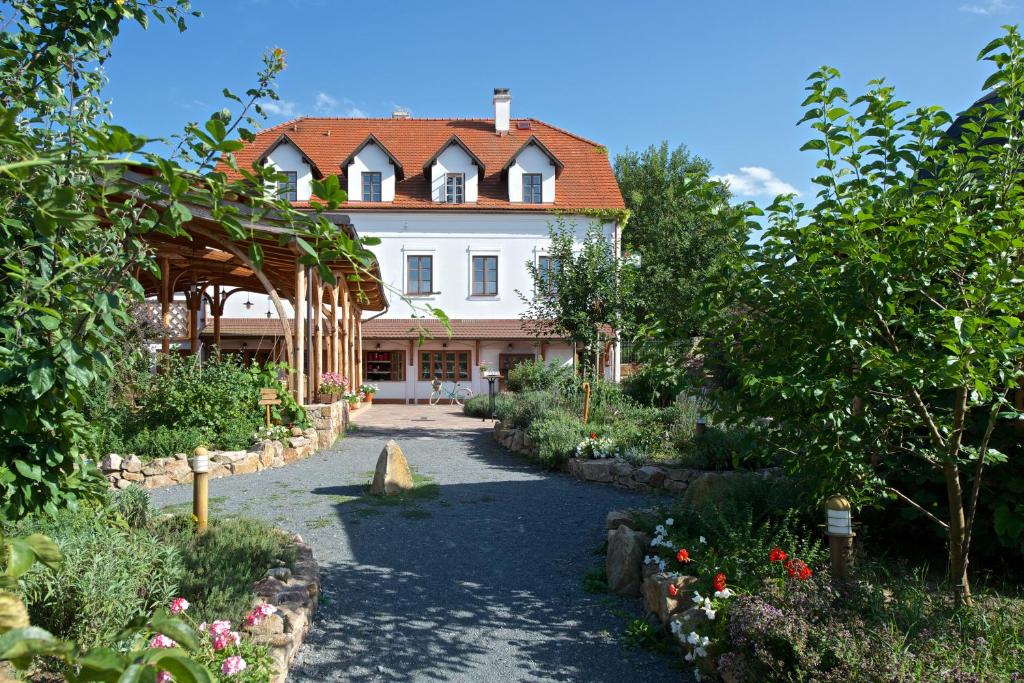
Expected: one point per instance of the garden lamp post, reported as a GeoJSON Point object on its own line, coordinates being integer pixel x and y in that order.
{"type": "Point", "coordinates": [200, 487]}
{"type": "Point", "coordinates": [492, 378]}
{"type": "Point", "coordinates": [839, 527]}
{"type": "Point", "coordinates": [701, 427]}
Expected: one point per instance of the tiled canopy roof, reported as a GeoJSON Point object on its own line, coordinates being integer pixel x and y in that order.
{"type": "Point", "coordinates": [586, 180]}
{"type": "Point", "coordinates": [503, 329]}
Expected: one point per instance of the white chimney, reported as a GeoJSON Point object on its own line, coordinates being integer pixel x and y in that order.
{"type": "Point", "coordinates": [399, 114]}
{"type": "Point", "coordinates": [502, 110]}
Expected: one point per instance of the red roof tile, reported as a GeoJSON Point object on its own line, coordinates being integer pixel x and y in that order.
{"type": "Point", "coordinates": [586, 182]}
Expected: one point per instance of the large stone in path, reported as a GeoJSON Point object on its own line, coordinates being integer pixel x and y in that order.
{"type": "Point", "coordinates": [625, 560]}
{"type": "Point", "coordinates": [392, 474]}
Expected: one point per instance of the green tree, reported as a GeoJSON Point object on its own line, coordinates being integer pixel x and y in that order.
{"type": "Point", "coordinates": [680, 230]}
{"type": "Point", "coordinates": [881, 326]}
{"type": "Point", "coordinates": [579, 297]}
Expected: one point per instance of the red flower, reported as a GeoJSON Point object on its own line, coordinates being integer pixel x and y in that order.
{"type": "Point", "coordinates": [593, 435]}
{"type": "Point", "coordinates": [683, 555]}
{"type": "Point", "coordinates": [798, 569]}
{"type": "Point", "coordinates": [719, 582]}
{"type": "Point", "coordinates": [777, 554]}
{"type": "Point", "coordinates": [672, 590]}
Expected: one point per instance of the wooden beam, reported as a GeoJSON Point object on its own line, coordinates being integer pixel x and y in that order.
{"type": "Point", "coordinates": [318, 355]}
{"type": "Point", "coordinates": [299, 357]}
{"type": "Point", "coordinates": [335, 350]}
{"type": "Point", "coordinates": [217, 310]}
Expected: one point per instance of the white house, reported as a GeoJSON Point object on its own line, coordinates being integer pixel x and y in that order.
{"type": "Point", "coordinates": [460, 207]}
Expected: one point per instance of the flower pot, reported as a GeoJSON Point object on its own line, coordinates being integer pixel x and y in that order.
{"type": "Point", "coordinates": [369, 398]}
{"type": "Point", "coordinates": [326, 398]}
{"type": "Point", "coordinates": [352, 405]}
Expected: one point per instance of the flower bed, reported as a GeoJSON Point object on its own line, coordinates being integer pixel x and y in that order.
{"type": "Point", "coordinates": [328, 423]}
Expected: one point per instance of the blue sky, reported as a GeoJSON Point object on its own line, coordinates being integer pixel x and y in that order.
{"type": "Point", "coordinates": [724, 78]}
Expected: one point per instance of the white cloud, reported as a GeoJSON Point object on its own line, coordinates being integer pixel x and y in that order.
{"type": "Point", "coordinates": [987, 8]}
{"type": "Point", "coordinates": [325, 105]}
{"type": "Point", "coordinates": [284, 108]}
{"type": "Point", "coordinates": [756, 181]}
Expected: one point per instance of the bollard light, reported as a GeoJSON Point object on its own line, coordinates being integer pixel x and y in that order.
{"type": "Point", "coordinates": [839, 527]}
{"type": "Point", "coordinates": [839, 518]}
{"type": "Point", "coordinates": [200, 487]}
{"type": "Point", "coordinates": [702, 425]}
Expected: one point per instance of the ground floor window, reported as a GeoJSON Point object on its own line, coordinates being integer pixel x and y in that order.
{"type": "Point", "coordinates": [449, 366]}
{"type": "Point", "coordinates": [507, 361]}
{"type": "Point", "coordinates": [384, 366]}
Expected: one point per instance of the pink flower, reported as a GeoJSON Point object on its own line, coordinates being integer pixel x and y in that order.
{"type": "Point", "coordinates": [232, 665]}
{"type": "Point", "coordinates": [219, 627]}
{"type": "Point", "coordinates": [160, 640]}
{"type": "Point", "coordinates": [163, 677]}
{"type": "Point", "coordinates": [202, 627]}
{"type": "Point", "coordinates": [253, 618]}
{"type": "Point", "coordinates": [222, 640]}
{"type": "Point", "coordinates": [256, 615]}
{"type": "Point", "coordinates": [266, 609]}
{"type": "Point", "coordinates": [178, 605]}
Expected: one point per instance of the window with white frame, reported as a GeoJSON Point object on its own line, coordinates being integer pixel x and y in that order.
{"type": "Point", "coordinates": [420, 275]}
{"type": "Point", "coordinates": [485, 276]}
{"type": "Point", "coordinates": [532, 188]}
{"type": "Point", "coordinates": [455, 188]}
{"type": "Point", "coordinates": [371, 187]}
{"type": "Point", "coordinates": [289, 187]}
{"type": "Point", "coordinates": [545, 268]}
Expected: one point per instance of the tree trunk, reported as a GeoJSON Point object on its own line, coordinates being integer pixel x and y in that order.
{"type": "Point", "coordinates": [957, 559]}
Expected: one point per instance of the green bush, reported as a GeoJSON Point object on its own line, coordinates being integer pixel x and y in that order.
{"type": "Point", "coordinates": [726, 448]}
{"type": "Point", "coordinates": [536, 375]}
{"type": "Point", "coordinates": [522, 409]}
{"type": "Point", "coordinates": [134, 506]}
{"type": "Point", "coordinates": [163, 441]}
{"type": "Point", "coordinates": [222, 564]}
{"type": "Point", "coordinates": [111, 574]}
{"type": "Point", "coordinates": [556, 436]}
{"type": "Point", "coordinates": [480, 405]}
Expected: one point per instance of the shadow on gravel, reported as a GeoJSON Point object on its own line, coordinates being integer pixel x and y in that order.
{"type": "Point", "coordinates": [485, 577]}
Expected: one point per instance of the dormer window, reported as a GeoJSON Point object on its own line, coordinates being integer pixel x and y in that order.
{"type": "Point", "coordinates": [289, 187]}
{"type": "Point", "coordinates": [455, 188]}
{"type": "Point", "coordinates": [532, 193]}
{"type": "Point", "coordinates": [371, 186]}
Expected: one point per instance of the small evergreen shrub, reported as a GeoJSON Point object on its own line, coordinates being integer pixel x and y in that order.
{"type": "Point", "coordinates": [134, 506]}
{"type": "Point", "coordinates": [556, 436]}
{"type": "Point", "coordinates": [163, 441]}
{"type": "Point", "coordinates": [524, 408]}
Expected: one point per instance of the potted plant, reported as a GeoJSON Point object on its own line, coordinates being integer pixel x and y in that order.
{"type": "Point", "coordinates": [352, 399]}
{"type": "Point", "coordinates": [368, 390]}
{"type": "Point", "coordinates": [485, 367]}
{"type": "Point", "coordinates": [332, 385]}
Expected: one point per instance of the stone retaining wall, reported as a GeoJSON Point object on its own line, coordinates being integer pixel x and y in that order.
{"type": "Point", "coordinates": [295, 593]}
{"type": "Point", "coordinates": [328, 421]}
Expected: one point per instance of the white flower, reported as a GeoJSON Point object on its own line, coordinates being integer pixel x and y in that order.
{"type": "Point", "coordinates": [700, 652]}
{"type": "Point", "coordinates": [703, 540]}
{"type": "Point", "coordinates": [696, 675]}
{"type": "Point", "coordinates": [676, 627]}
{"type": "Point", "coordinates": [688, 657]}
{"type": "Point", "coordinates": [710, 613]}
{"type": "Point", "coordinates": [693, 638]}
{"type": "Point", "coordinates": [660, 530]}
{"type": "Point", "coordinates": [648, 560]}
{"type": "Point", "coordinates": [670, 521]}
{"type": "Point", "coordinates": [723, 594]}
{"type": "Point", "coordinates": [697, 598]}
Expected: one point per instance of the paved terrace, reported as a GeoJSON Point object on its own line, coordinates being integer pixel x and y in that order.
{"type": "Point", "coordinates": [479, 582]}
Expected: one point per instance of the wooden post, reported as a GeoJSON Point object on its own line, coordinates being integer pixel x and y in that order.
{"type": "Point", "coordinates": [586, 402]}
{"type": "Point", "coordinates": [543, 350]}
{"type": "Point", "coordinates": [318, 348]}
{"type": "Point", "coordinates": [346, 336]}
{"type": "Point", "coordinates": [359, 344]}
{"type": "Point", "coordinates": [165, 304]}
{"type": "Point", "coordinates": [217, 309]}
{"type": "Point", "coordinates": [299, 362]}
{"type": "Point", "coordinates": [200, 487]}
{"type": "Point", "coordinates": [193, 320]}
{"type": "Point", "coordinates": [335, 350]}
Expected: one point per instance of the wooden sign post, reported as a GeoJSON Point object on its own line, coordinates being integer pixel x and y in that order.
{"type": "Point", "coordinates": [268, 397]}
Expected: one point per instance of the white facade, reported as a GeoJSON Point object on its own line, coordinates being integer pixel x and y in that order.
{"type": "Point", "coordinates": [531, 160]}
{"type": "Point", "coordinates": [454, 160]}
{"type": "Point", "coordinates": [371, 159]}
{"type": "Point", "coordinates": [286, 157]}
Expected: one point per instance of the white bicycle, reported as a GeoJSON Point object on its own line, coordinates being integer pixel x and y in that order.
{"type": "Point", "coordinates": [457, 395]}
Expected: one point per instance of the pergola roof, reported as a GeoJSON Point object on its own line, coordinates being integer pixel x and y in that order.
{"type": "Point", "coordinates": [206, 256]}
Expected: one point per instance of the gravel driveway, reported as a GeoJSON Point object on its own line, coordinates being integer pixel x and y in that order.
{"type": "Point", "coordinates": [477, 579]}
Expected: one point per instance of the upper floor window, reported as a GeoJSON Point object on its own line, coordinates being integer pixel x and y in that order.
{"type": "Point", "coordinates": [532, 188]}
{"type": "Point", "coordinates": [421, 275]}
{"type": "Point", "coordinates": [485, 275]}
{"type": "Point", "coordinates": [455, 188]}
{"type": "Point", "coordinates": [371, 187]}
{"type": "Point", "coordinates": [544, 268]}
{"type": "Point", "coordinates": [289, 187]}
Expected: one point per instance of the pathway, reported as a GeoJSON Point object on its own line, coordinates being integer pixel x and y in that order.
{"type": "Point", "coordinates": [478, 579]}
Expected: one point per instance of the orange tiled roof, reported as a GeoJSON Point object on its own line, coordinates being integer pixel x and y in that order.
{"type": "Point", "coordinates": [585, 182]}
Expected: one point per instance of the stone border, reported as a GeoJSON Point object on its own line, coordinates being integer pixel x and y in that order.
{"type": "Point", "coordinates": [295, 593]}
{"type": "Point", "coordinates": [329, 421]}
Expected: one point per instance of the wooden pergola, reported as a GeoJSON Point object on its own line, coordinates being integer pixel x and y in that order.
{"type": "Point", "coordinates": [207, 266]}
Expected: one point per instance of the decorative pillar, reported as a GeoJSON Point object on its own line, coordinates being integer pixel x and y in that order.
{"type": "Point", "coordinates": [299, 362]}
{"type": "Point", "coordinates": [165, 304]}
{"type": "Point", "coordinates": [217, 309]}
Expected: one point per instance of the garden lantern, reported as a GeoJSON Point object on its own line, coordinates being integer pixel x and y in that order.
{"type": "Point", "coordinates": [200, 487]}
{"type": "Point", "coordinates": [701, 426]}
{"type": "Point", "coordinates": [492, 377]}
{"type": "Point", "coordinates": [839, 527]}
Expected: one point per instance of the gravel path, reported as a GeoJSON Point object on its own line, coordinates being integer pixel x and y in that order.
{"type": "Point", "coordinates": [480, 582]}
